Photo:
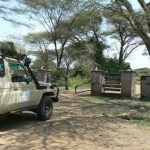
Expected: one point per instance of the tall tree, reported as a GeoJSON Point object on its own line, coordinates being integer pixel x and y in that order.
{"type": "Point", "coordinates": [8, 11]}
{"type": "Point", "coordinates": [52, 14]}
{"type": "Point", "coordinates": [68, 59]}
{"type": "Point", "coordinates": [88, 32]}
{"type": "Point", "coordinates": [41, 44]}
{"type": "Point", "coordinates": [123, 34]}
{"type": "Point", "coordinates": [138, 20]}
{"type": "Point", "coordinates": [3, 9]}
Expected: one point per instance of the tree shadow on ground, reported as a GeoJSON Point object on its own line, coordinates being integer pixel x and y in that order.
{"type": "Point", "coordinates": [79, 124]}
{"type": "Point", "coordinates": [13, 121]}
{"type": "Point", "coordinates": [19, 131]}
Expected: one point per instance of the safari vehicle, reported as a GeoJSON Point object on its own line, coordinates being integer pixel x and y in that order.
{"type": "Point", "coordinates": [20, 90]}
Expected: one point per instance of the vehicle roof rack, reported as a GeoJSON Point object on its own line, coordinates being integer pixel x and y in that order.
{"type": "Point", "coordinates": [13, 55]}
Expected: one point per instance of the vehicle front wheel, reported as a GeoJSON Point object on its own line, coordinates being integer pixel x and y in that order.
{"type": "Point", "coordinates": [45, 108]}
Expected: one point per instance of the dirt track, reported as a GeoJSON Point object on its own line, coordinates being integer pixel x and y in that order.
{"type": "Point", "coordinates": [73, 126]}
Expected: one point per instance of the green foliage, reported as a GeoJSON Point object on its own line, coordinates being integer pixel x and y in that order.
{"type": "Point", "coordinates": [58, 76]}
{"type": "Point", "coordinates": [73, 81]}
{"type": "Point", "coordinates": [34, 38]}
{"type": "Point", "coordinates": [83, 67]}
{"type": "Point", "coordinates": [138, 19]}
{"type": "Point", "coordinates": [99, 48]}
{"type": "Point", "coordinates": [125, 36]}
{"type": "Point", "coordinates": [142, 72]}
{"type": "Point", "coordinates": [8, 47]}
{"type": "Point", "coordinates": [112, 65]}
{"type": "Point", "coordinates": [12, 49]}
{"type": "Point", "coordinates": [87, 21]}
{"type": "Point", "coordinates": [38, 63]}
{"type": "Point", "coordinates": [88, 54]}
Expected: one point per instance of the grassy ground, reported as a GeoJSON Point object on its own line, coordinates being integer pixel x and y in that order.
{"type": "Point", "coordinates": [134, 110]}
{"type": "Point", "coordinates": [81, 122]}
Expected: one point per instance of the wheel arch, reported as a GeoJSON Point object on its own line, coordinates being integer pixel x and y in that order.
{"type": "Point", "coordinates": [52, 95]}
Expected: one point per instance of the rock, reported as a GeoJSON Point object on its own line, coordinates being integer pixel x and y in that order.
{"type": "Point", "coordinates": [124, 116]}
{"type": "Point", "coordinates": [141, 109]}
{"type": "Point", "coordinates": [128, 115]}
{"type": "Point", "coordinates": [132, 112]}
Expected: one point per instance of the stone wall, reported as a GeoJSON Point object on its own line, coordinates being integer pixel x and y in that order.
{"type": "Point", "coordinates": [145, 86]}
{"type": "Point", "coordinates": [128, 83]}
{"type": "Point", "coordinates": [42, 75]}
{"type": "Point", "coordinates": [96, 83]}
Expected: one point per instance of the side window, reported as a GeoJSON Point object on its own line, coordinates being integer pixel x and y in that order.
{"type": "Point", "coordinates": [2, 68]}
{"type": "Point", "coordinates": [17, 72]}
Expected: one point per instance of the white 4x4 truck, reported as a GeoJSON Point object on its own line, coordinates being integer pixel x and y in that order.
{"type": "Point", "coordinates": [20, 90]}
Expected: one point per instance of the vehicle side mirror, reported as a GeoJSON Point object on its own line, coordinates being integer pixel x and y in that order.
{"type": "Point", "coordinates": [27, 61]}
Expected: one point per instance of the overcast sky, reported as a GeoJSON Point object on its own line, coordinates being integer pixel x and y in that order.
{"type": "Point", "coordinates": [8, 31]}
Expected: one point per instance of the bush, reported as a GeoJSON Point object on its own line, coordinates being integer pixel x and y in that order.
{"type": "Point", "coordinates": [73, 81]}
{"type": "Point", "coordinates": [112, 65]}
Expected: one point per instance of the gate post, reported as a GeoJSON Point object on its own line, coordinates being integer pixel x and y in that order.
{"type": "Point", "coordinates": [43, 74]}
{"type": "Point", "coordinates": [96, 82]}
{"type": "Point", "coordinates": [128, 83]}
{"type": "Point", "coordinates": [145, 87]}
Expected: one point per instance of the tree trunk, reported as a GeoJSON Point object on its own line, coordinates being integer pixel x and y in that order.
{"type": "Point", "coordinates": [66, 81]}
{"type": "Point", "coordinates": [67, 77]}
{"type": "Point", "coordinates": [136, 24]}
{"type": "Point", "coordinates": [146, 40]}
{"type": "Point", "coordinates": [61, 54]}
{"type": "Point", "coordinates": [120, 57]}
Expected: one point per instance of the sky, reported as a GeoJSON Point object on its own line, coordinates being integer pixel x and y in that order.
{"type": "Point", "coordinates": [9, 31]}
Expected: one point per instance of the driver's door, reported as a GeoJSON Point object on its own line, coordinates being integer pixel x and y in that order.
{"type": "Point", "coordinates": [21, 87]}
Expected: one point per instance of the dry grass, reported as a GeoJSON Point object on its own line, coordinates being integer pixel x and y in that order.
{"type": "Point", "coordinates": [78, 122]}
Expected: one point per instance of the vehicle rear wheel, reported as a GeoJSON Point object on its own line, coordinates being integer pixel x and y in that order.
{"type": "Point", "coordinates": [45, 108]}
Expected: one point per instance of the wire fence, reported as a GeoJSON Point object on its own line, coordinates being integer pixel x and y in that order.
{"type": "Point", "coordinates": [84, 87]}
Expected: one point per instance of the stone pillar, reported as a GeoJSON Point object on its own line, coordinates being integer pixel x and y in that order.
{"type": "Point", "coordinates": [42, 75]}
{"type": "Point", "coordinates": [145, 87]}
{"type": "Point", "coordinates": [96, 83]}
{"type": "Point", "coordinates": [128, 83]}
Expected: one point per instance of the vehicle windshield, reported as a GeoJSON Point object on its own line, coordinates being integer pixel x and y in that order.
{"type": "Point", "coordinates": [15, 68]}
{"type": "Point", "coordinates": [18, 73]}
{"type": "Point", "coordinates": [2, 69]}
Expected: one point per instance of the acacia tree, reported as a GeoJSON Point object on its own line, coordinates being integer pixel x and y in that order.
{"type": "Point", "coordinates": [124, 35]}
{"type": "Point", "coordinates": [8, 12]}
{"type": "Point", "coordinates": [40, 42]}
{"type": "Point", "coordinates": [3, 9]}
{"type": "Point", "coordinates": [89, 36]}
{"type": "Point", "coordinates": [138, 20]}
{"type": "Point", "coordinates": [68, 59]}
{"type": "Point", "coordinates": [52, 14]}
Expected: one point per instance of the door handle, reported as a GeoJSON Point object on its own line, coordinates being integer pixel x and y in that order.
{"type": "Point", "coordinates": [15, 89]}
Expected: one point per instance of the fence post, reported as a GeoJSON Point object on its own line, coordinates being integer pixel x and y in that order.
{"type": "Point", "coordinates": [128, 83]}
{"type": "Point", "coordinates": [96, 82]}
{"type": "Point", "coordinates": [75, 89]}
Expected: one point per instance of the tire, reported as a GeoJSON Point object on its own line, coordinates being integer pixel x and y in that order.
{"type": "Point", "coordinates": [45, 109]}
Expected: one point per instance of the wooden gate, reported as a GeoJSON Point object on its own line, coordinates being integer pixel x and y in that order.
{"type": "Point", "coordinates": [111, 84]}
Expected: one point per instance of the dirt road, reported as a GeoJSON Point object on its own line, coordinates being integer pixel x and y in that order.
{"type": "Point", "coordinates": [76, 124]}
